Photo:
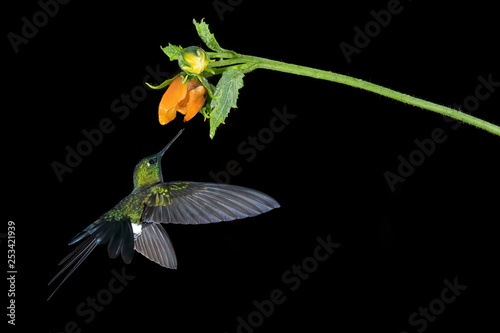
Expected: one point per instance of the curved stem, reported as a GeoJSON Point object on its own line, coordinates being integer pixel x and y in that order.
{"type": "Point", "coordinates": [358, 83]}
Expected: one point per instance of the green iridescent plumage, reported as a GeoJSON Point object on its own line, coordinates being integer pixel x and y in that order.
{"type": "Point", "coordinates": [134, 223]}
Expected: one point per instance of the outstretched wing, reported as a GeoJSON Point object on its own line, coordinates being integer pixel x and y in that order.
{"type": "Point", "coordinates": [117, 234]}
{"type": "Point", "coordinates": [154, 244]}
{"type": "Point", "coordinates": [197, 203]}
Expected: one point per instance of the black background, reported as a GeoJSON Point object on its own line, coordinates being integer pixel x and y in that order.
{"type": "Point", "coordinates": [326, 168]}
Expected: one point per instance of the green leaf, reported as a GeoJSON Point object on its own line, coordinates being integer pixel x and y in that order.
{"type": "Point", "coordinates": [207, 85]}
{"type": "Point", "coordinates": [163, 84]}
{"type": "Point", "coordinates": [173, 51]}
{"type": "Point", "coordinates": [207, 37]}
{"type": "Point", "coordinates": [227, 95]}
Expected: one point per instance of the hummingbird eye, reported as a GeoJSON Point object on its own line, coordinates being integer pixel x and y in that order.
{"type": "Point", "coordinates": [152, 161]}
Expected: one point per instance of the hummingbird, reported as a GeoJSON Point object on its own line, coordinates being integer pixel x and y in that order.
{"type": "Point", "coordinates": [135, 222]}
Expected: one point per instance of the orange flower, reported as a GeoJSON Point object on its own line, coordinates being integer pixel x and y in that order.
{"type": "Point", "coordinates": [187, 99]}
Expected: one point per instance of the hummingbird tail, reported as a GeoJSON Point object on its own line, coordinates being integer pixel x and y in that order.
{"type": "Point", "coordinates": [78, 255]}
{"type": "Point", "coordinates": [117, 234]}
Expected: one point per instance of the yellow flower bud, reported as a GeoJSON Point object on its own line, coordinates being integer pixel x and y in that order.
{"type": "Point", "coordinates": [193, 60]}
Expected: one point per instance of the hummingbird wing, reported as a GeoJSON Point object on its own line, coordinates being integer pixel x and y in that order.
{"type": "Point", "coordinates": [117, 234]}
{"type": "Point", "coordinates": [155, 245]}
{"type": "Point", "coordinates": [198, 203]}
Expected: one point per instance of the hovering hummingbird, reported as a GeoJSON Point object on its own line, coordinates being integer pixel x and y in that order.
{"type": "Point", "coordinates": [134, 223]}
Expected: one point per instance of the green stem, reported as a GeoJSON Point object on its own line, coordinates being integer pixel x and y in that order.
{"type": "Point", "coordinates": [257, 62]}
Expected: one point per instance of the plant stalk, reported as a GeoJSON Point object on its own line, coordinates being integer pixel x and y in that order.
{"type": "Point", "coordinates": [249, 63]}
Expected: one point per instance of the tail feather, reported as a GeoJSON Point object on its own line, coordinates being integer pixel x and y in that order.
{"type": "Point", "coordinates": [80, 253]}
{"type": "Point", "coordinates": [118, 234]}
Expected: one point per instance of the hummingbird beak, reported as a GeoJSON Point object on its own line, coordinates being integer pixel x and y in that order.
{"type": "Point", "coordinates": [160, 154]}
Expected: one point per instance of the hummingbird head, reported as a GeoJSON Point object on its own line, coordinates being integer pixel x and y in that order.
{"type": "Point", "coordinates": [148, 171]}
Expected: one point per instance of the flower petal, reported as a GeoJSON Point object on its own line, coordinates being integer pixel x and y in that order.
{"type": "Point", "coordinates": [197, 95]}
{"type": "Point", "coordinates": [197, 98]}
{"type": "Point", "coordinates": [166, 116]}
{"type": "Point", "coordinates": [175, 93]}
